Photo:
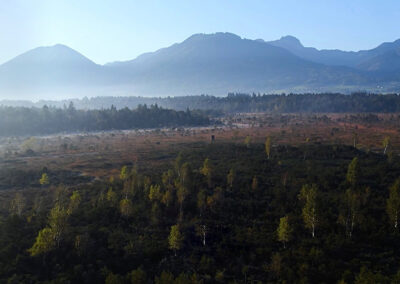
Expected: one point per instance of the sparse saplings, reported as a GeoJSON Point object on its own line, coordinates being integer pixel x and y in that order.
{"type": "Point", "coordinates": [268, 146]}
{"type": "Point", "coordinates": [175, 239]}
{"type": "Point", "coordinates": [393, 203]}
{"type": "Point", "coordinates": [284, 231]}
{"type": "Point", "coordinates": [308, 195]}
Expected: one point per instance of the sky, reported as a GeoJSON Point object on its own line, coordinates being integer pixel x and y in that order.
{"type": "Point", "coordinates": [115, 30]}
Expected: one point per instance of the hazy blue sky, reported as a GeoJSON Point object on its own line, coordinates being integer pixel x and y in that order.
{"type": "Point", "coordinates": [112, 30]}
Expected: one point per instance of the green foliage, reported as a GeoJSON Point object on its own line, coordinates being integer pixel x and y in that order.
{"type": "Point", "coordinates": [155, 193]}
{"type": "Point", "coordinates": [353, 172]}
{"type": "Point", "coordinates": [175, 239]}
{"type": "Point", "coordinates": [113, 279]}
{"type": "Point", "coordinates": [386, 144]}
{"type": "Point", "coordinates": [284, 230]}
{"type": "Point", "coordinates": [44, 180]}
{"type": "Point", "coordinates": [57, 220]}
{"type": "Point", "coordinates": [268, 146]}
{"type": "Point", "coordinates": [45, 242]}
{"type": "Point", "coordinates": [228, 233]}
{"type": "Point", "coordinates": [138, 276]}
{"type": "Point", "coordinates": [124, 173]}
{"type": "Point", "coordinates": [393, 203]}
{"type": "Point", "coordinates": [126, 207]}
{"type": "Point", "coordinates": [111, 197]}
{"type": "Point", "coordinates": [164, 278]}
{"type": "Point", "coordinates": [308, 195]}
{"type": "Point", "coordinates": [74, 202]}
{"type": "Point", "coordinates": [206, 170]}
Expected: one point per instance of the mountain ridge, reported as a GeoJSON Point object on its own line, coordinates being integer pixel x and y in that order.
{"type": "Point", "coordinates": [203, 63]}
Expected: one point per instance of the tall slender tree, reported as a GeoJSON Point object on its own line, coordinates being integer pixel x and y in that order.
{"type": "Point", "coordinates": [284, 231]}
{"type": "Point", "coordinates": [393, 203]}
{"type": "Point", "coordinates": [308, 195]}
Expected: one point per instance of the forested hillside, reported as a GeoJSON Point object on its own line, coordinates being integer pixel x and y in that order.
{"type": "Point", "coordinates": [220, 213]}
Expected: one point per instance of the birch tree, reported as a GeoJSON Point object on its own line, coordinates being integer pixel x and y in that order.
{"type": "Point", "coordinates": [393, 203]}
{"type": "Point", "coordinates": [308, 195]}
{"type": "Point", "coordinates": [284, 231]}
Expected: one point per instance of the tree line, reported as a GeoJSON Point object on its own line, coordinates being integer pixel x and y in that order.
{"type": "Point", "coordinates": [48, 120]}
{"type": "Point", "coordinates": [241, 102]}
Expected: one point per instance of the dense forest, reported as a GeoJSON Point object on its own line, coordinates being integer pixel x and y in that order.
{"type": "Point", "coordinates": [220, 213]}
{"type": "Point", "coordinates": [48, 120]}
{"type": "Point", "coordinates": [283, 103]}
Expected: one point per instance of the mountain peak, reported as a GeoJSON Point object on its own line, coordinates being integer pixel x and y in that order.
{"type": "Point", "coordinates": [218, 35]}
{"type": "Point", "coordinates": [50, 54]}
{"type": "Point", "coordinates": [291, 40]}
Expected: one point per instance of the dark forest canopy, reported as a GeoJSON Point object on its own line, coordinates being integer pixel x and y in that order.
{"type": "Point", "coordinates": [236, 102]}
{"type": "Point", "coordinates": [47, 120]}
{"type": "Point", "coordinates": [222, 213]}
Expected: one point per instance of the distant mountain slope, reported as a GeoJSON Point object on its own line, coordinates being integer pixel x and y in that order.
{"type": "Point", "coordinates": [363, 59]}
{"type": "Point", "coordinates": [204, 63]}
{"type": "Point", "coordinates": [223, 62]}
{"type": "Point", "coordinates": [50, 69]}
{"type": "Point", "coordinates": [385, 62]}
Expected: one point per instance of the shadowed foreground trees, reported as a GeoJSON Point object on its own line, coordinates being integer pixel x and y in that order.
{"type": "Point", "coordinates": [141, 227]}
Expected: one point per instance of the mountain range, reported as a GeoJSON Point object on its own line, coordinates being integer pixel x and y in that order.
{"type": "Point", "coordinates": [212, 64]}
